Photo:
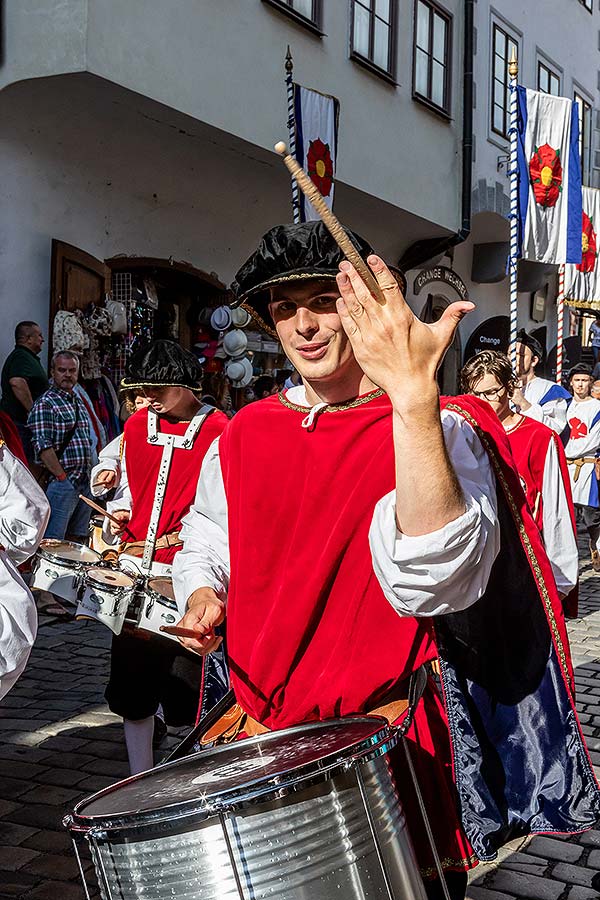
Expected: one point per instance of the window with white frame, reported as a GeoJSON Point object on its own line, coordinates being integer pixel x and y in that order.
{"type": "Point", "coordinates": [432, 54]}
{"type": "Point", "coordinates": [372, 33]}
{"type": "Point", "coordinates": [503, 45]}
{"type": "Point", "coordinates": [548, 81]}
{"type": "Point", "coordinates": [585, 137]}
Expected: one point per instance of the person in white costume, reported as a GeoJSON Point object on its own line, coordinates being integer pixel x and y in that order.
{"type": "Point", "coordinates": [24, 513]}
{"type": "Point", "coordinates": [540, 399]}
{"type": "Point", "coordinates": [582, 451]}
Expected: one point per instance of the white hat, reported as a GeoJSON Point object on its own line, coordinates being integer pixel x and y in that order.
{"type": "Point", "coordinates": [221, 318]}
{"type": "Point", "coordinates": [235, 342]}
{"type": "Point", "coordinates": [241, 317]}
{"type": "Point", "coordinates": [239, 372]}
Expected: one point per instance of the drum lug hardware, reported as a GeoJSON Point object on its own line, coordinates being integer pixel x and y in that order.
{"type": "Point", "coordinates": [50, 573]}
{"type": "Point", "coordinates": [97, 834]}
{"type": "Point", "coordinates": [168, 618]}
{"type": "Point", "coordinates": [149, 608]}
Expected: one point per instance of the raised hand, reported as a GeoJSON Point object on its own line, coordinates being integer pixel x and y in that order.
{"type": "Point", "coordinates": [123, 515]}
{"type": "Point", "coordinates": [205, 612]}
{"type": "Point", "coordinates": [395, 350]}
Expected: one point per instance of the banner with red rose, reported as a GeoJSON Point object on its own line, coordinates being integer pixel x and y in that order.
{"type": "Point", "coordinates": [582, 281]}
{"type": "Point", "coordinates": [549, 178]}
{"type": "Point", "coordinates": [316, 130]}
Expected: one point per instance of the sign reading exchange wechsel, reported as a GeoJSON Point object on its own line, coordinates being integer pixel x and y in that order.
{"type": "Point", "coordinates": [441, 273]}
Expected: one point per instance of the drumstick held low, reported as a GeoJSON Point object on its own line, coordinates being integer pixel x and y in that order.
{"type": "Point", "coordinates": [331, 222]}
{"type": "Point", "coordinates": [99, 509]}
{"type": "Point", "coordinates": [176, 631]}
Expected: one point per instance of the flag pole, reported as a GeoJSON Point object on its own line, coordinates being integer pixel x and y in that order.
{"type": "Point", "coordinates": [513, 71]}
{"type": "Point", "coordinates": [289, 82]}
{"type": "Point", "coordinates": [560, 311]}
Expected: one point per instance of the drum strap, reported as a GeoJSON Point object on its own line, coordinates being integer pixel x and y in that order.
{"type": "Point", "coordinates": [169, 443]}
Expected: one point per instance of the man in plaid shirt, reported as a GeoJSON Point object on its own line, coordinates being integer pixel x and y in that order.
{"type": "Point", "coordinates": [61, 438]}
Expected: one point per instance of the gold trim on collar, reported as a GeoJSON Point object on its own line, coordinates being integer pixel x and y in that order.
{"type": "Point", "coordinates": [333, 407]}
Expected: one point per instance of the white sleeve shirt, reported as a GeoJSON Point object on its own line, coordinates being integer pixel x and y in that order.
{"type": "Point", "coordinates": [108, 459]}
{"type": "Point", "coordinates": [24, 513]}
{"type": "Point", "coordinates": [557, 529]}
{"type": "Point", "coordinates": [421, 576]}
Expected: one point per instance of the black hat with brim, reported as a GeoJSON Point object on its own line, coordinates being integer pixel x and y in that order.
{"type": "Point", "coordinates": [534, 345]}
{"type": "Point", "coordinates": [580, 369]}
{"type": "Point", "coordinates": [287, 254]}
{"type": "Point", "coordinates": [163, 364]}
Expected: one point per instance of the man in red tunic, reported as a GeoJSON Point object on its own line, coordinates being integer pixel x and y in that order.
{"type": "Point", "coordinates": [162, 452]}
{"type": "Point", "coordinates": [344, 530]}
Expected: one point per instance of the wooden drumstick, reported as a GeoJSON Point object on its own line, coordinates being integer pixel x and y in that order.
{"type": "Point", "coordinates": [331, 222]}
{"type": "Point", "coordinates": [176, 631]}
{"type": "Point", "coordinates": [99, 509]}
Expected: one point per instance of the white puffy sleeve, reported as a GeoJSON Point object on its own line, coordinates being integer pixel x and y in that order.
{"type": "Point", "coordinates": [203, 561]}
{"type": "Point", "coordinates": [24, 509]}
{"type": "Point", "coordinates": [108, 459]}
{"type": "Point", "coordinates": [448, 570]}
{"type": "Point", "coordinates": [553, 414]}
{"type": "Point", "coordinates": [559, 538]}
{"type": "Point", "coordinates": [18, 623]}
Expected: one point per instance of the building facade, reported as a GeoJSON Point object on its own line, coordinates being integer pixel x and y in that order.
{"type": "Point", "coordinates": [141, 134]}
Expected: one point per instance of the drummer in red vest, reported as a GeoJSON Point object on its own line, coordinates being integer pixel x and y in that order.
{"type": "Point", "coordinates": [541, 463]}
{"type": "Point", "coordinates": [162, 452]}
{"type": "Point", "coordinates": [348, 533]}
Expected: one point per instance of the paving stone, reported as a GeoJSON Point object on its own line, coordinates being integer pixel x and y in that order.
{"type": "Point", "coordinates": [480, 893]}
{"type": "Point", "coordinates": [574, 874]}
{"type": "Point", "coordinates": [107, 767]}
{"type": "Point", "coordinates": [50, 890]}
{"type": "Point", "coordinates": [14, 858]}
{"type": "Point", "coordinates": [51, 795]}
{"type": "Point", "coordinates": [552, 849]}
{"type": "Point", "coordinates": [63, 777]}
{"type": "Point", "coordinates": [6, 806]}
{"type": "Point", "coordinates": [64, 742]}
{"type": "Point", "coordinates": [526, 863]}
{"type": "Point", "coordinates": [95, 783]}
{"type": "Point", "coordinates": [13, 788]}
{"type": "Point", "coordinates": [20, 769]}
{"type": "Point", "coordinates": [51, 865]}
{"type": "Point", "coordinates": [529, 886]}
{"type": "Point", "coordinates": [594, 860]}
{"type": "Point", "coordinates": [37, 816]}
{"type": "Point", "coordinates": [49, 842]}
{"type": "Point", "coordinates": [17, 883]}
{"type": "Point", "coordinates": [589, 838]}
{"type": "Point", "coordinates": [578, 892]}
{"type": "Point", "coordinates": [12, 835]}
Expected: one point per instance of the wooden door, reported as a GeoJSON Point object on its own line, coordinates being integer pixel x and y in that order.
{"type": "Point", "coordinates": [77, 278]}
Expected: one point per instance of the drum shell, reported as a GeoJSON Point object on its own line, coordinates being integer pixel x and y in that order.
{"type": "Point", "coordinates": [317, 841]}
{"type": "Point", "coordinates": [62, 577]}
{"type": "Point", "coordinates": [103, 602]}
{"type": "Point", "coordinates": [157, 610]}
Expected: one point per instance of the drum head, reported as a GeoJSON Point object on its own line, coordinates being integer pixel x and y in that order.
{"type": "Point", "coordinates": [110, 578]}
{"type": "Point", "coordinates": [229, 777]}
{"type": "Point", "coordinates": [163, 585]}
{"type": "Point", "coordinates": [69, 550]}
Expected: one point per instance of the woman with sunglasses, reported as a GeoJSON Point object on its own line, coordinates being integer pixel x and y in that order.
{"type": "Point", "coordinates": [540, 461]}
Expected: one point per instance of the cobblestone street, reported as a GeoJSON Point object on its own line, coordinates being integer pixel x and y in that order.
{"type": "Point", "coordinates": [59, 743]}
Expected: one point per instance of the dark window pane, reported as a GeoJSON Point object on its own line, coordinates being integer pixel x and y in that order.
{"type": "Point", "coordinates": [498, 118]}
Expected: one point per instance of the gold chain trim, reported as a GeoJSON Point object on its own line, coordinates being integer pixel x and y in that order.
{"type": "Point", "coordinates": [447, 863]}
{"type": "Point", "coordinates": [333, 407]}
{"type": "Point", "coordinates": [259, 320]}
{"type": "Point", "coordinates": [522, 532]}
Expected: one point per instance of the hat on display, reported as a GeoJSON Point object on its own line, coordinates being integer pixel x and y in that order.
{"type": "Point", "coordinates": [235, 342]}
{"type": "Point", "coordinates": [240, 317]}
{"type": "Point", "coordinates": [163, 364]}
{"type": "Point", "coordinates": [534, 345]}
{"type": "Point", "coordinates": [239, 372]}
{"type": "Point", "coordinates": [220, 319]}
{"type": "Point", "coordinates": [289, 253]}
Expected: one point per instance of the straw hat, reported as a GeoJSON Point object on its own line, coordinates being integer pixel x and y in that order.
{"type": "Point", "coordinates": [240, 317]}
{"type": "Point", "coordinates": [235, 342]}
{"type": "Point", "coordinates": [220, 320]}
{"type": "Point", "coordinates": [239, 372]}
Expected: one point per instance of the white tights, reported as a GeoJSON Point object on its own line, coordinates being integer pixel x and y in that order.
{"type": "Point", "coordinates": [138, 739]}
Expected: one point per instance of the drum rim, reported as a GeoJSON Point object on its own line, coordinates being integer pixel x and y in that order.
{"type": "Point", "coordinates": [112, 588]}
{"type": "Point", "coordinates": [156, 595]}
{"type": "Point", "coordinates": [47, 555]}
{"type": "Point", "coordinates": [274, 786]}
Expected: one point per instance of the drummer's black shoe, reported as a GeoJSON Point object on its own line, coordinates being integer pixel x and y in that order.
{"type": "Point", "coordinates": [160, 732]}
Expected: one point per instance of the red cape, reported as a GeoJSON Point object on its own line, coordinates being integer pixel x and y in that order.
{"type": "Point", "coordinates": [9, 433]}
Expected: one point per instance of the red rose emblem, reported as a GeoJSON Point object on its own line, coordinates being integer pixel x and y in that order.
{"type": "Point", "coordinates": [320, 166]}
{"type": "Point", "coordinates": [588, 245]}
{"type": "Point", "coordinates": [546, 175]}
{"type": "Point", "coordinates": [578, 428]}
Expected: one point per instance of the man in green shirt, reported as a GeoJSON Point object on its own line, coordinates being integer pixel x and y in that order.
{"type": "Point", "coordinates": [23, 379]}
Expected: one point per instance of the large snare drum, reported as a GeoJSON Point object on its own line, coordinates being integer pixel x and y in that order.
{"type": "Point", "coordinates": [58, 566]}
{"type": "Point", "coordinates": [105, 595]}
{"type": "Point", "coordinates": [158, 606]}
{"type": "Point", "coordinates": [309, 812]}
